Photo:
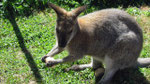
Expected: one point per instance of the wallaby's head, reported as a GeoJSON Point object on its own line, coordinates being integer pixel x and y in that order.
{"type": "Point", "coordinates": [67, 25]}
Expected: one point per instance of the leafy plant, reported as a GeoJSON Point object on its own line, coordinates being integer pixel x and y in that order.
{"type": "Point", "coordinates": [136, 11]}
{"type": "Point", "coordinates": [27, 7]}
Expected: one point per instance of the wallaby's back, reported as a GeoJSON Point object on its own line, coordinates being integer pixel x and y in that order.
{"type": "Point", "coordinates": [108, 32]}
{"type": "Point", "coordinates": [113, 18]}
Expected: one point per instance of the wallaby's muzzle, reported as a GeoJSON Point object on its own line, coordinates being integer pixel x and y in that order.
{"type": "Point", "coordinates": [62, 41]}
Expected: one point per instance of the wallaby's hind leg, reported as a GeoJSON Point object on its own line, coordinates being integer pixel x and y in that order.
{"type": "Point", "coordinates": [110, 70]}
{"type": "Point", "coordinates": [79, 67]}
{"type": "Point", "coordinates": [94, 63]}
{"type": "Point", "coordinates": [108, 75]}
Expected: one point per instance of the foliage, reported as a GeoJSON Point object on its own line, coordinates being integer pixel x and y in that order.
{"type": "Point", "coordinates": [27, 7]}
{"type": "Point", "coordinates": [136, 11]}
{"type": "Point", "coordinates": [21, 7]}
{"type": "Point", "coordinates": [116, 3]}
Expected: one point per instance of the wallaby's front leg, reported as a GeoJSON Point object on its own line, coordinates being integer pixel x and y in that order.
{"type": "Point", "coordinates": [55, 50]}
{"type": "Point", "coordinates": [50, 61]}
{"type": "Point", "coordinates": [94, 63]}
{"type": "Point", "coordinates": [84, 66]}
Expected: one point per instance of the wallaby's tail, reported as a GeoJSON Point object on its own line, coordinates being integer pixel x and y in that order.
{"type": "Point", "coordinates": [143, 62]}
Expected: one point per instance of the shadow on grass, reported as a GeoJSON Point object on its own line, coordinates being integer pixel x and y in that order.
{"type": "Point", "coordinates": [129, 76]}
{"type": "Point", "coordinates": [28, 55]}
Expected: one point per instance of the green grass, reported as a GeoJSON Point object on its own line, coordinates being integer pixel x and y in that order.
{"type": "Point", "coordinates": [16, 66]}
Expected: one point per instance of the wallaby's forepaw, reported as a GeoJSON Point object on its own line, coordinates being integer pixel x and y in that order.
{"type": "Point", "coordinates": [51, 63]}
{"type": "Point", "coordinates": [43, 58]}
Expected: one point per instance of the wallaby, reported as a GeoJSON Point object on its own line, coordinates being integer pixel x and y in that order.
{"type": "Point", "coordinates": [110, 36]}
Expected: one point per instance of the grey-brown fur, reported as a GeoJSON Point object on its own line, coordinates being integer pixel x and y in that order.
{"type": "Point", "coordinates": [110, 36]}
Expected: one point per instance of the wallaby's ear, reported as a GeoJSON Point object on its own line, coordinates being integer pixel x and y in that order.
{"type": "Point", "coordinates": [59, 11]}
{"type": "Point", "coordinates": [78, 10]}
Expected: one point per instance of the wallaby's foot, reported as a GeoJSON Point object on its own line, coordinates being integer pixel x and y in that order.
{"type": "Point", "coordinates": [43, 58]}
{"type": "Point", "coordinates": [104, 81]}
{"type": "Point", "coordinates": [99, 72]}
{"type": "Point", "coordinates": [74, 67]}
{"type": "Point", "coordinates": [79, 67]}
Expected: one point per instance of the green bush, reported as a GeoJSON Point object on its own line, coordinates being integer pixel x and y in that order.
{"type": "Point", "coordinates": [21, 7]}
{"type": "Point", "coordinates": [27, 7]}
{"type": "Point", "coordinates": [116, 3]}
